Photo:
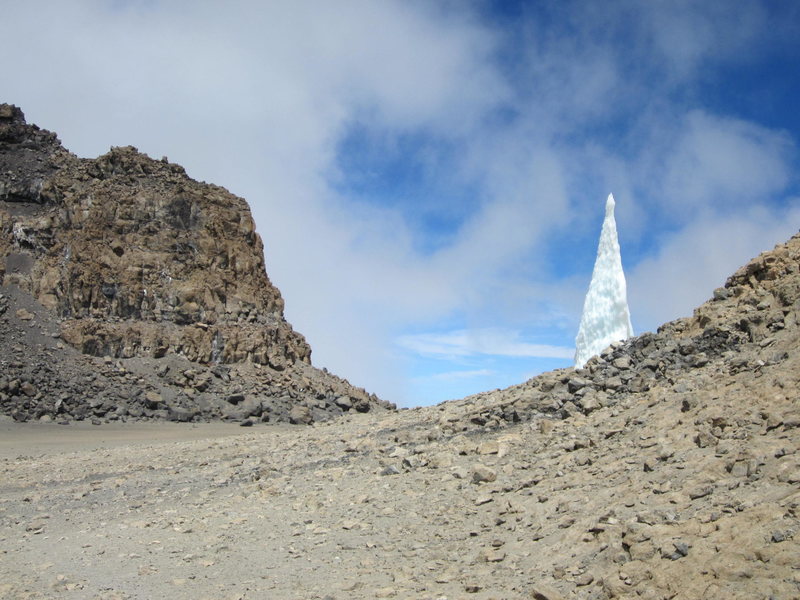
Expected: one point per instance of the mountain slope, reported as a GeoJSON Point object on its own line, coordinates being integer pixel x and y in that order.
{"type": "Point", "coordinates": [136, 260]}
{"type": "Point", "coordinates": [668, 468]}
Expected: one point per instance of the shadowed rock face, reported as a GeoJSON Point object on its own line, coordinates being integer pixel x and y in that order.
{"type": "Point", "coordinates": [130, 258]}
{"type": "Point", "coordinates": [136, 257]}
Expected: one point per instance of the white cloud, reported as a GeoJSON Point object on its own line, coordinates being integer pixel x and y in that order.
{"type": "Point", "coordinates": [456, 375]}
{"type": "Point", "coordinates": [473, 342]}
{"type": "Point", "coordinates": [687, 34]}
{"type": "Point", "coordinates": [724, 162]}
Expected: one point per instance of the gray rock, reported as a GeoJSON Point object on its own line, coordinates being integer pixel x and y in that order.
{"type": "Point", "coordinates": [622, 363]}
{"type": "Point", "coordinates": [153, 400]}
{"type": "Point", "coordinates": [300, 415]}
{"type": "Point", "coordinates": [483, 474]}
{"type": "Point", "coordinates": [344, 402]}
{"type": "Point", "coordinates": [576, 383]}
{"type": "Point", "coordinates": [779, 536]}
{"type": "Point", "coordinates": [181, 415]}
{"type": "Point", "coordinates": [235, 398]}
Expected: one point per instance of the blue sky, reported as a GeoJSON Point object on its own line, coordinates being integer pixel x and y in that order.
{"type": "Point", "coordinates": [429, 177]}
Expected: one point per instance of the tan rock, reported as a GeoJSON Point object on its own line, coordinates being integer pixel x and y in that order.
{"type": "Point", "coordinates": [24, 314]}
{"type": "Point", "coordinates": [488, 447]}
{"type": "Point", "coordinates": [483, 474]}
{"type": "Point", "coordinates": [544, 592]}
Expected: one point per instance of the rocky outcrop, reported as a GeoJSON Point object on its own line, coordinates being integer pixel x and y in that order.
{"type": "Point", "coordinates": [135, 256]}
{"type": "Point", "coordinates": [135, 259]}
{"type": "Point", "coordinates": [750, 323]}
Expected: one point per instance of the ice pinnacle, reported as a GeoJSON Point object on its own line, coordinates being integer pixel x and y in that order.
{"type": "Point", "coordinates": [605, 317]}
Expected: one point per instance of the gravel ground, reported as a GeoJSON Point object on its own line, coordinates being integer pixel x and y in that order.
{"type": "Point", "coordinates": [629, 501]}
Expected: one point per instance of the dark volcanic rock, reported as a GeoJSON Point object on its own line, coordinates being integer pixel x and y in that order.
{"type": "Point", "coordinates": [137, 258]}
{"type": "Point", "coordinates": [131, 259]}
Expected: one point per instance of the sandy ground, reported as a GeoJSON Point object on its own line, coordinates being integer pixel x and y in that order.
{"type": "Point", "coordinates": [36, 439]}
{"type": "Point", "coordinates": [623, 503]}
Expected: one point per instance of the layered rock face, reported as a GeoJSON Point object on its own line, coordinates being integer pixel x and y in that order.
{"type": "Point", "coordinates": [135, 258]}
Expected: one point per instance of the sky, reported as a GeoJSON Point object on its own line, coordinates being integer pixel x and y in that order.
{"type": "Point", "coordinates": [429, 177]}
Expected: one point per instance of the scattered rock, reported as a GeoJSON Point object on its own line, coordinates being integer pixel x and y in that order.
{"type": "Point", "coordinates": [492, 555]}
{"type": "Point", "coordinates": [483, 474]}
{"type": "Point", "coordinates": [24, 314]}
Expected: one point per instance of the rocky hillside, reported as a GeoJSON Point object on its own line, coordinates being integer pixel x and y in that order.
{"type": "Point", "coordinates": [128, 259]}
{"type": "Point", "coordinates": [750, 324]}
{"type": "Point", "coordinates": [669, 468]}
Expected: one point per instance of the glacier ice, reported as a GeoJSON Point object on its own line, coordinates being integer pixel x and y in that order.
{"type": "Point", "coordinates": [605, 317]}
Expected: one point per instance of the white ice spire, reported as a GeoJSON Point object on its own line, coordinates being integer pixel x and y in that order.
{"type": "Point", "coordinates": [605, 317]}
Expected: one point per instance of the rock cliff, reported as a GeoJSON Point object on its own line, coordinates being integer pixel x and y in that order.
{"type": "Point", "coordinates": [136, 260]}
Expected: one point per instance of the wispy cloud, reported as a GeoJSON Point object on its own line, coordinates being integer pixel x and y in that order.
{"type": "Point", "coordinates": [475, 342]}
{"type": "Point", "coordinates": [450, 376]}
{"type": "Point", "coordinates": [721, 162]}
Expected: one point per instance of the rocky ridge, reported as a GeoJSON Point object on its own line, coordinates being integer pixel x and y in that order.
{"type": "Point", "coordinates": [749, 324]}
{"type": "Point", "coordinates": [127, 259]}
